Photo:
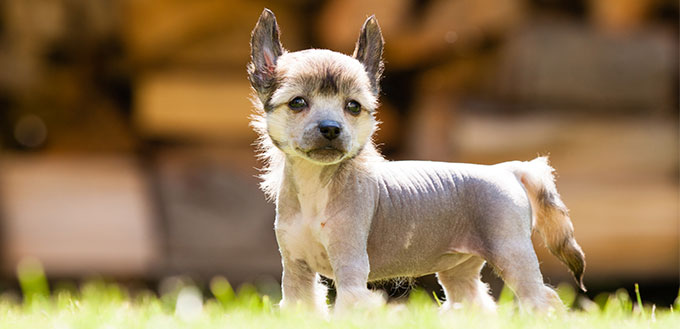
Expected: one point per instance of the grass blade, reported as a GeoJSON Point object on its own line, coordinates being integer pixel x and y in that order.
{"type": "Point", "coordinates": [639, 299]}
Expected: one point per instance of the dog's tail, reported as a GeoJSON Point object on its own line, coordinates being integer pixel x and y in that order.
{"type": "Point", "coordinates": [550, 215]}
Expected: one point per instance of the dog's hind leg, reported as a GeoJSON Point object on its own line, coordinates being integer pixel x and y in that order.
{"type": "Point", "coordinates": [517, 265]}
{"type": "Point", "coordinates": [462, 284]}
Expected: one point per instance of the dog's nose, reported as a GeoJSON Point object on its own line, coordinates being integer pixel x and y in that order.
{"type": "Point", "coordinates": [330, 129]}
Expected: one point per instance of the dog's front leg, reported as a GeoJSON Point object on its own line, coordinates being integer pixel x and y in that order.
{"type": "Point", "coordinates": [301, 286]}
{"type": "Point", "coordinates": [346, 246]}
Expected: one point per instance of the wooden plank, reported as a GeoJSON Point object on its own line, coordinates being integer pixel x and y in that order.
{"type": "Point", "coordinates": [162, 30]}
{"type": "Point", "coordinates": [77, 214]}
{"type": "Point", "coordinates": [584, 70]}
{"type": "Point", "coordinates": [194, 106]}
{"type": "Point", "coordinates": [217, 220]}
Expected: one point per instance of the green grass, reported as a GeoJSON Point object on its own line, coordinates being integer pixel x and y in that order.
{"type": "Point", "coordinates": [102, 305]}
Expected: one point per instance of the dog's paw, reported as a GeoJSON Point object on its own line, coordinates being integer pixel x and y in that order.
{"type": "Point", "coordinates": [545, 302]}
{"type": "Point", "coordinates": [321, 309]}
{"type": "Point", "coordinates": [358, 300]}
{"type": "Point", "coordinates": [478, 306]}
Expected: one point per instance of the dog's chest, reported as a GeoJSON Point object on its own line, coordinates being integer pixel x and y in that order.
{"type": "Point", "coordinates": [303, 235]}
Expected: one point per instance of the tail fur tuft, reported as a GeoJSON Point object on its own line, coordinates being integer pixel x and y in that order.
{"type": "Point", "coordinates": [551, 216]}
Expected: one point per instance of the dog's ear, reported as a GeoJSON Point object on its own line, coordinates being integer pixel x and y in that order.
{"type": "Point", "coordinates": [265, 49]}
{"type": "Point", "coordinates": [369, 51]}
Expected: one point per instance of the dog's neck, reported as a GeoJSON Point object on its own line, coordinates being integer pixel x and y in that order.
{"type": "Point", "coordinates": [309, 184]}
{"type": "Point", "coordinates": [307, 176]}
{"type": "Point", "coordinates": [294, 176]}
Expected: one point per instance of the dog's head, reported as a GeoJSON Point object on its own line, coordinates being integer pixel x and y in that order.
{"type": "Point", "coordinates": [318, 105]}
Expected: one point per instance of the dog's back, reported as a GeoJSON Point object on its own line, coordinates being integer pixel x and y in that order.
{"type": "Point", "coordinates": [464, 205]}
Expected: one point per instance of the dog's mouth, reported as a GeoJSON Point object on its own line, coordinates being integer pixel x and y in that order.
{"type": "Point", "coordinates": [326, 154]}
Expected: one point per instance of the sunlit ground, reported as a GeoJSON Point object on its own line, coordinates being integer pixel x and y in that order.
{"type": "Point", "coordinates": [98, 304]}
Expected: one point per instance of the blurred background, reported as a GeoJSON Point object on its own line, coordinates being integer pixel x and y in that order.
{"type": "Point", "coordinates": [126, 151]}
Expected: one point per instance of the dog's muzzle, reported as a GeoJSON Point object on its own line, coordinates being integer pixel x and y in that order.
{"type": "Point", "coordinates": [325, 142]}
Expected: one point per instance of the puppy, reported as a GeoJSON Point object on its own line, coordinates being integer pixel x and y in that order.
{"type": "Point", "coordinates": [344, 212]}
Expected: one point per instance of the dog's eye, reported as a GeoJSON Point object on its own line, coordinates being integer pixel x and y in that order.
{"type": "Point", "coordinates": [353, 107]}
{"type": "Point", "coordinates": [297, 104]}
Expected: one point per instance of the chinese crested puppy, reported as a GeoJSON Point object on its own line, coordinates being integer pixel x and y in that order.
{"type": "Point", "coordinates": [344, 212]}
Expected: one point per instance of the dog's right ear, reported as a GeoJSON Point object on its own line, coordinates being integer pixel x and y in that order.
{"type": "Point", "coordinates": [265, 49]}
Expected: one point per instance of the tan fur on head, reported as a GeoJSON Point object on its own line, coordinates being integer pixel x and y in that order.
{"type": "Point", "coordinates": [326, 80]}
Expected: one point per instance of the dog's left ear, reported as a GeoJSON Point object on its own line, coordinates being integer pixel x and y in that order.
{"type": "Point", "coordinates": [369, 51]}
{"type": "Point", "coordinates": [265, 50]}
